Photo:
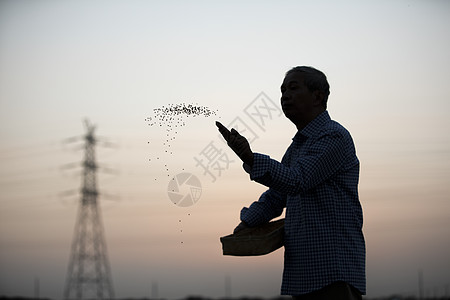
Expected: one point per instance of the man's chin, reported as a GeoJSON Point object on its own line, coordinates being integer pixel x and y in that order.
{"type": "Point", "coordinates": [292, 117]}
{"type": "Point", "coordinates": [289, 115]}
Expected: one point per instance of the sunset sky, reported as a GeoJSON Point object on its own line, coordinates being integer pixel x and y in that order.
{"type": "Point", "coordinates": [114, 62]}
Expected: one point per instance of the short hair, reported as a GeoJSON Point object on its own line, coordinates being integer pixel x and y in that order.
{"type": "Point", "coordinates": [314, 80]}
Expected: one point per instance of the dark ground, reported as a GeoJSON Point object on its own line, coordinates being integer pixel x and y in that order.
{"type": "Point", "coordinates": [393, 297]}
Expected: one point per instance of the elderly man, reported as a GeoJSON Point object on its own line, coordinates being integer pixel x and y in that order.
{"type": "Point", "coordinates": [317, 183]}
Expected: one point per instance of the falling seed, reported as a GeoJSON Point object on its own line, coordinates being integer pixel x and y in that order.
{"type": "Point", "coordinates": [173, 116]}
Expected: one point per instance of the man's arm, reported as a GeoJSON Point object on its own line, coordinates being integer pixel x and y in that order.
{"type": "Point", "coordinates": [269, 206]}
{"type": "Point", "coordinates": [325, 157]}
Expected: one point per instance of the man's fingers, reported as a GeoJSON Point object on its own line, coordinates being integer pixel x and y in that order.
{"type": "Point", "coordinates": [234, 132]}
{"type": "Point", "coordinates": [227, 134]}
{"type": "Point", "coordinates": [235, 141]}
{"type": "Point", "coordinates": [230, 136]}
{"type": "Point", "coordinates": [223, 131]}
{"type": "Point", "coordinates": [219, 125]}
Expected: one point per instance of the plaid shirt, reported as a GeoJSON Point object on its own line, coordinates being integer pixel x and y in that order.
{"type": "Point", "coordinates": [317, 182]}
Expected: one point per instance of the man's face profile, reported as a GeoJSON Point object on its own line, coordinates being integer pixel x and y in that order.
{"type": "Point", "coordinates": [297, 102]}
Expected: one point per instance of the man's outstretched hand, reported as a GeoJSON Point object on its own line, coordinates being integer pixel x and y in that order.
{"type": "Point", "coordinates": [237, 143]}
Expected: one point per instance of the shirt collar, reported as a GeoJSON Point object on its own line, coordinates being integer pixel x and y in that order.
{"type": "Point", "coordinates": [313, 127]}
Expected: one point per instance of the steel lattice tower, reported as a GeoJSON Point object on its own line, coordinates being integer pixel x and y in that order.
{"type": "Point", "coordinates": [88, 274]}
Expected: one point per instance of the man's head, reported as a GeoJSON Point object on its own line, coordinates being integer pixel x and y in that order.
{"type": "Point", "coordinates": [304, 95]}
{"type": "Point", "coordinates": [314, 80]}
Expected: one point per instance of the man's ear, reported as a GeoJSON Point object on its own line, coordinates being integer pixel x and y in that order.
{"type": "Point", "coordinates": [318, 98]}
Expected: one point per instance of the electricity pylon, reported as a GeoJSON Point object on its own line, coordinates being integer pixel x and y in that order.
{"type": "Point", "coordinates": [89, 274]}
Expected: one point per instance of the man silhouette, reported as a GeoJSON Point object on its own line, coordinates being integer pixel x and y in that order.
{"type": "Point", "coordinates": [317, 182]}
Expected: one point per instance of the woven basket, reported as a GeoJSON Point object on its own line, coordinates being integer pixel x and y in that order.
{"type": "Point", "coordinates": [255, 241]}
